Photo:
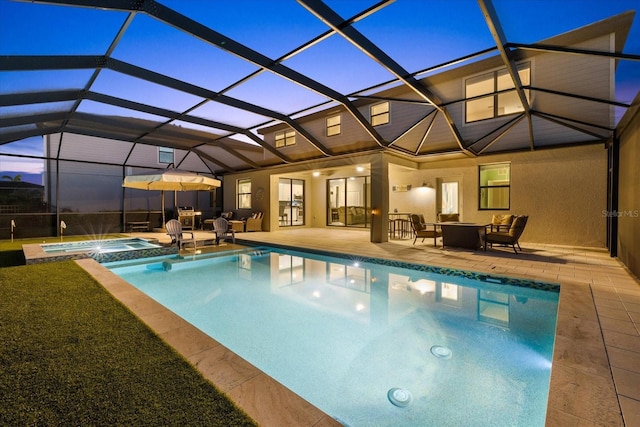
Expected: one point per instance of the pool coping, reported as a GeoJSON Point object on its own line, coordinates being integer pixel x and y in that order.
{"type": "Point", "coordinates": [580, 390]}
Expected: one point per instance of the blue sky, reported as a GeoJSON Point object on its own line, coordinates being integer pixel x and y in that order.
{"type": "Point", "coordinates": [417, 34]}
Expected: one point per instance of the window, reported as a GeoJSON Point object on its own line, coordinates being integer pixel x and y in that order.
{"type": "Point", "coordinates": [165, 155]}
{"type": "Point", "coordinates": [333, 125]}
{"type": "Point", "coordinates": [497, 103]}
{"type": "Point", "coordinates": [244, 194]}
{"type": "Point", "coordinates": [380, 114]}
{"type": "Point", "coordinates": [495, 186]}
{"type": "Point", "coordinates": [285, 138]}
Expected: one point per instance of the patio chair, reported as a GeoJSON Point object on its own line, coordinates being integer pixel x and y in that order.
{"type": "Point", "coordinates": [222, 230]}
{"type": "Point", "coordinates": [254, 222]}
{"type": "Point", "coordinates": [511, 237]}
{"type": "Point", "coordinates": [422, 230]}
{"type": "Point", "coordinates": [174, 229]}
{"type": "Point", "coordinates": [501, 222]}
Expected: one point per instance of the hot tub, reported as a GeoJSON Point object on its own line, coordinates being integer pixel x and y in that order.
{"type": "Point", "coordinates": [101, 250]}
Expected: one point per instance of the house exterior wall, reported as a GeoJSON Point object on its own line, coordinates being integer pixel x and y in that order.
{"type": "Point", "coordinates": [562, 190]}
{"type": "Point", "coordinates": [587, 75]}
{"type": "Point", "coordinates": [315, 212]}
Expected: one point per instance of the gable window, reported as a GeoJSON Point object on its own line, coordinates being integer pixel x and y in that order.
{"type": "Point", "coordinates": [501, 97]}
{"type": "Point", "coordinates": [495, 186]}
{"type": "Point", "coordinates": [285, 138]}
{"type": "Point", "coordinates": [165, 155]}
{"type": "Point", "coordinates": [333, 125]}
{"type": "Point", "coordinates": [380, 114]}
{"type": "Point", "coordinates": [244, 193]}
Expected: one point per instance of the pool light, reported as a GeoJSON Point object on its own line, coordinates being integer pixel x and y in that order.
{"type": "Point", "coordinates": [441, 352]}
{"type": "Point", "coordinates": [399, 397]}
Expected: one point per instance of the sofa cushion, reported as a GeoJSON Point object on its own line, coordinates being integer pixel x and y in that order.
{"type": "Point", "coordinates": [504, 219]}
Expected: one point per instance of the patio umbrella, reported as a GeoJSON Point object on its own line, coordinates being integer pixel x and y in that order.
{"type": "Point", "coordinates": [170, 180]}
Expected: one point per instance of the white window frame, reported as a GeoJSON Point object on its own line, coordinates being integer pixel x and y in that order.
{"type": "Point", "coordinates": [334, 125]}
{"type": "Point", "coordinates": [166, 151]}
{"type": "Point", "coordinates": [380, 113]}
{"type": "Point", "coordinates": [498, 93]}
{"type": "Point", "coordinates": [243, 197]}
{"type": "Point", "coordinates": [503, 185]}
{"type": "Point", "coordinates": [285, 138]}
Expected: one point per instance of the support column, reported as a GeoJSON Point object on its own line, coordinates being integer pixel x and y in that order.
{"type": "Point", "coordinates": [379, 199]}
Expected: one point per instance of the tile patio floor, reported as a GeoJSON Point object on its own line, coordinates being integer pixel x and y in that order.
{"type": "Point", "coordinates": [595, 379]}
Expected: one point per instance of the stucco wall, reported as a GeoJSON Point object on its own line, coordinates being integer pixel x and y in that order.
{"type": "Point", "coordinates": [629, 196]}
{"type": "Point", "coordinates": [562, 190]}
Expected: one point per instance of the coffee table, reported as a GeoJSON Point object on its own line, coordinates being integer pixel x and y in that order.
{"type": "Point", "coordinates": [467, 235]}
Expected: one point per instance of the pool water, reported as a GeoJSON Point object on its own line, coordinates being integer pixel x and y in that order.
{"type": "Point", "coordinates": [370, 344]}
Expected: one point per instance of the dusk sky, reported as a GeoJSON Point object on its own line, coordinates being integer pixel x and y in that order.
{"type": "Point", "coordinates": [417, 34]}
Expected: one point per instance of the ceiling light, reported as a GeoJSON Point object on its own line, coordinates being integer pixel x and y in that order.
{"type": "Point", "coordinates": [426, 185]}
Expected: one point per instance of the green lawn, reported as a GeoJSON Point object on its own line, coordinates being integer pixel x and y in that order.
{"type": "Point", "coordinates": [73, 355]}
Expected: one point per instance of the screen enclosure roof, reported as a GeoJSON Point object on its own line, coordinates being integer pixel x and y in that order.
{"type": "Point", "coordinates": [213, 78]}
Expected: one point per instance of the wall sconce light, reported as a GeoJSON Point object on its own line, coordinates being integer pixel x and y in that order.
{"type": "Point", "coordinates": [426, 185]}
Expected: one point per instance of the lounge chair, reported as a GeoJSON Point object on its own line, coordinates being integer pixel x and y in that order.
{"type": "Point", "coordinates": [174, 229]}
{"type": "Point", "coordinates": [510, 237]}
{"type": "Point", "coordinates": [222, 230]}
{"type": "Point", "coordinates": [422, 230]}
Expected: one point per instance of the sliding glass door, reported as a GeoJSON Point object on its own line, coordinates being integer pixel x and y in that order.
{"type": "Point", "coordinates": [348, 202]}
{"type": "Point", "coordinates": [290, 202]}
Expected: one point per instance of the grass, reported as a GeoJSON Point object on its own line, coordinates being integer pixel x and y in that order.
{"type": "Point", "coordinates": [73, 355]}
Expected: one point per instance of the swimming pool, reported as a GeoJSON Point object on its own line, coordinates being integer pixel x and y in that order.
{"type": "Point", "coordinates": [368, 343]}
